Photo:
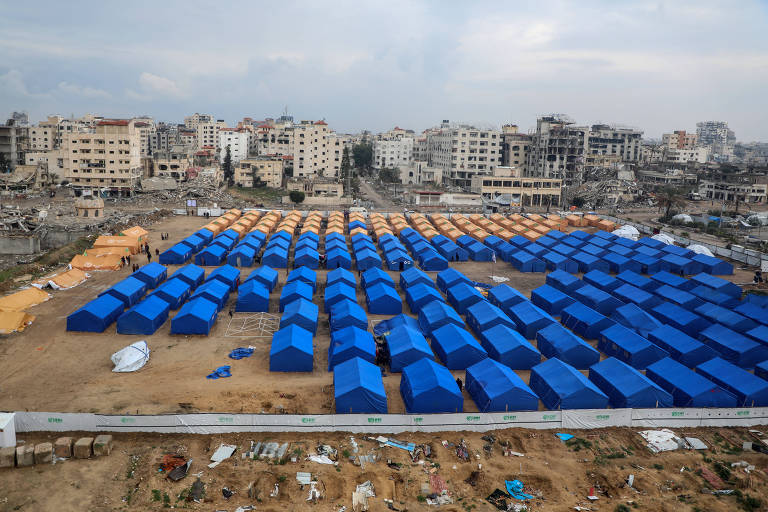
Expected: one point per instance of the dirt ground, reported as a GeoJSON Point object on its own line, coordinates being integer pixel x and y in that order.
{"type": "Point", "coordinates": [558, 475]}
{"type": "Point", "coordinates": [46, 368]}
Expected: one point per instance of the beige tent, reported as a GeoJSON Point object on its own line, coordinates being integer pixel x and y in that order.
{"type": "Point", "coordinates": [22, 300]}
{"type": "Point", "coordinates": [117, 241]}
{"type": "Point", "coordinates": [14, 321]}
{"type": "Point", "coordinates": [105, 262]}
{"type": "Point", "coordinates": [63, 281]}
{"type": "Point", "coordinates": [138, 233]}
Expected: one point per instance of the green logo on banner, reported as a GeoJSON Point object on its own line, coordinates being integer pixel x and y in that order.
{"type": "Point", "coordinates": [677, 413]}
{"type": "Point", "coordinates": [307, 420]}
{"type": "Point", "coordinates": [602, 416]}
{"type": "Point", "coordinates": [374, 420]}
{"type": "Point", "coordinates": [226, 419]}
{"type": "Point", "coordinates": [55, 420]}
{"type": "Point", "coordinates": [548, 417]}
{"type": "Point", "coordinates": [418, 420]}
{"type": "Point", "coordinates": [510, 418]}
{"type": "Point", "coordinates": [742, 413]}
{"type": "Point", "coordinates": [473, 418]}
{"type": "Point", "coordinates": [127, 420]}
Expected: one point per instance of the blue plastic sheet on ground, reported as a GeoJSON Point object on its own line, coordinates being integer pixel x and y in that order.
{"type": "Point", "coordinates": [482, 285]}
{"type": "Point", "coordinates": [564, 437]}
{"type": "Point", "coordinates": [240, 353]}
{"type": "Point", "coordinates": [221, 372]}
{"type": "Point", "coordinates": [515, 489]}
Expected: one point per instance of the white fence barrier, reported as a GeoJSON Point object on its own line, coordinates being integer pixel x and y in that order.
{"type": "Point", "coordinates": [212, 423]}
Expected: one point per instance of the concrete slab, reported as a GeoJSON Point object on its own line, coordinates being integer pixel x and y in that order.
{"type": "Point", "coordinates": [102, 445]}
{"type": "Point", "coordinates": [83, 448]}
{"type": "Point", "coordinates": [8, 457]}
{"type": "Point", "coordinates": [43, 453]}
{"type": "Point", "coordinates": [25, 456]}
{"type": "Point", "coordinates": [63, 447]}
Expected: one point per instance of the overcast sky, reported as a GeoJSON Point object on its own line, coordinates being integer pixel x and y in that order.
{"type": "Point", "coordinates": [373, 65]}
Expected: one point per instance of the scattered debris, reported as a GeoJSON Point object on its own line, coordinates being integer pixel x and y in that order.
{"type": "Point", "coordinates": [314, 492]}
{"type": "Point", "coordinates": [320, 459]}
{"type": "Point", "coordinates": [564, 437]}
{"type": "Point", "coordinates": [303, 478]}
{"type": "Point", "coordinates": [711, 478]}
{"type": "Point", "coordinates": [663, 440]}
{"type": "Point", "coordinates": [473, 478]}
{"type": "Point", "coordinates": [515, 489]}
{"type": "Point", "coordinates": [244, 508]}
{"type": "Point", "coordinates": [223, 452]}
{"type": "Point", "coordinates": [510, 453]}
{"type": "Point", "coordinates": [197, 491]}
{"type": "Point", "coordinates": [131, 358]}
{"type": "Point", "coordinates": [498, 499]}
{"type": "Point", "coordinates": [222, 372]}
{"type": "Point", "coordinates": [275, 491]}
{"type": "Point", "coordinates": [694, 443]}
{"type": "Point", "coordinates": [748, 468]}
{"type": "Point", "coordinates": [240, 353]}
{"type": "Point", "coordinates": [591, 495]}
{"type": "Point", "coordinates": [366, 489]}
{"type": "Point", "coordinates": [180, 471]}
{"type": "Point", "coordinates": [227, 493]}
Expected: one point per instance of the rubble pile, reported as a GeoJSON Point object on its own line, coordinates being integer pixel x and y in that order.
{"type": "Point", "coordinates": [203, 186]}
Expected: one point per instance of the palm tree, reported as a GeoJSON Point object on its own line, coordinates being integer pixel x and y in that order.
{"type": "Point", "coordinates": [669, 198]}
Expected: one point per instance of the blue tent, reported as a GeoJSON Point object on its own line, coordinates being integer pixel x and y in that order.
{"type": "Point", "coordinates": [726, 317]}
{"type": "Point", "coordinates": [761, 370]}
{"type": "Point", "coordinates": [550, 299]}
{"type": "Point", "coordinates": [618, 263]}
{"type": "Point", "coordinates": [648, 264]}
{"type": "Point", "coordinates": [715, 297]}
{"type": "Point", "coordinates": [145, 317]}
{"type": "Point", "coordinates": [300, 312]}
{"type": "Point", "coordinates": [556, 341]}
{"type": "Point", "coordinates": [130, 290]}
{"type": "Point", "coordinates": [436, 314]}
{"type": "Point", "coordinates": [599, 241]}
{"type": "Point", "coordinates": [214, 291]}
{"type": "Point", "coordinates": [397, 259]}
{"type": "Point", "coordinates": [281, 235]}
{"type": "Point", "coordinates": [483, 315]}
{"type": "Point", "coordinates": [427, 387]}
{"type": "Point", "coordinates": [449, 277]}
{"type": "Point", "coordinates": [626, 387]}
{"type": "Point", "coordinates": [406, 346]}
{"type": "Point", "coordinates": [430, 260]}
{"type": "Point", "coordinates": [688, 389]}
{"type": "Point", "coordinates": [414, 276]}
{"type": "Point", "coordinates": [191, 274]}
{"type": "Point", "coordinates": [593, 250]}
{"type": "Point", "coordinates": [346, 313]}
{"type": "Point", "coordinates": [529, 318]}
{"type": "Point", "coordinates": [337, 257]}
{"type": "Point", "coordinates": [536, 250]}
{"type": "Point", "coordinates": [242, 256]}
{"type": "Point", "coordinates": [563, 281]}
{"type": "Point", "coordinates": [478, 252]}
{"type": "Point", "coordinates": [205, 234]}
{"type": "Point", "coordinates": [96, 315]}
{"type": "Point", "coordinates": [508, 347]}
{"type": "Point", "coordinates": [588, 262]}
{"type": "Point", "coordinates": [714, 266]}
{"type": "Point", "coordinates": [337, 292]}
{"type": "Point", "coordinates": [651, 242]}
{"type": "Point", "coordinates": [752, 311]}
{"type": "Point", "coordinates": [677, 251]}
{"type": "Point", "coordinates": [561, 386]}
{"type": "Point", "coordinates": [348, 343]}
{"type": "Point", "coordinates": [267, 276]}
{"type": "Point", "coordinates": [224, 242]}
{"type": "Point", "coordinates": [758, 300]}
{"type": "Point", "coordinates": [176, 255]}
{"type": "Point", "coordinates": [584, 320]}
{"type": "Point", "coordinates": [718, 284]}
{"type": "Point", "coordinates": [419, 295]}
{"type": "Point", "coordinates": [382, 299]}
{"type": "Point", "coordinates": [734, 347]}
{"type": "Point", "coordinates": [375, 275]}
{"type": "Point", "coordinates": [195, 242]}
{"type": "Point", "coordinates": [629, 294]}
{"type": "Point", "coordinates": [602, 302]}
{"type": "Point", "coordinates": [367, 258]}
{"type": "Point", "coordinates": [456, 347]}
{"type": "Point", "coordinates": [212, 256]}
{"type": "Point", "coordinates": [252, 296]}
{"type": "Point", "coordinates": [632, 317]}
{"type": "Point", "coordinates": [389, 324]}
{"type": "Point", "coordinates": [637, 280]}
{"type": "Point", "coordinates": [545, 241]}
{"type": "Point", "coordinates": [579, 235]}
{"type": "Point", "coordinates": [750, 391]}
{"type": "Point", "coordinates": [620, 250]}
{"type": "Point", "coordinates": [275, 257]}
{"type": "Point", "coordinates": [504, 296]}
{"type": "Point", "coordinates": [681, 347]}
{"type": "Point", "coordinates": [152, 274]}
{"type": "Point", "coordinates": [228, 233]}
{"type": "Point", "coordinates": [649, 251]}
{"type": "Point", "coordinates": [680, 265]}
{"type": "Point", "coordinates": [759, 334]}
{"type": "Point", "coordinates": [281, 243]}
{"type": "Point", "coordinates": [556, 261]}
{"type": "Point", "coordinates": [601, 280]}
{"type": "Point", "coordinates": [496, 388]}
{"type": "Point", "coordinates": [358, 388]}
{"type": "Point", "coordinates": [679, 297]}
{"type": "Point", "coordinates": [305, 275]}
{"type": "Point", "coordinates": [526, 262]}
{"type": "Point", "coordinates": [675, 281]}
{"type": "Point", "coordinates": [195, 317]}
{"type": "Point", "coordinates": [448, 249]}
{"type": "Point", "coordinates": [461, 296]}
{"type": "Point", "coordinates": [565, 250]}
{"type": "Point", "coordinates": [627, 346]}
{"type": "Point", "coordinates": [294, 291]}
{"type": "Point", "coordinates": [505, 250]}
{"type": "Point", "coordinates": [519, 241]}
{"type": "Point", "coordinates": [356, 224]}
{"type": "Point", "coordinates": [174, 292]}
{"type": "Point", "coordinates": [680, 318]}
{"type": "Point", "coordinates": [306, 257]}
{"type": "Point", "coordinates": [226, 274]}
{"type": "Point", "coordinates": [557, 235]}
{"type": "Point", "coordinates": [291, 350]}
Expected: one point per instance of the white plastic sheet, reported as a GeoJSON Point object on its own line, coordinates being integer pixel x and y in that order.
{"type": "Point", "coordinates": [627, 231]}
{"type": "Point", "coordinates": [661, 237]}
{"type": "Point", "coordinates": [699, 249]}
{"type": "Point", "coordinates": [131, 358]}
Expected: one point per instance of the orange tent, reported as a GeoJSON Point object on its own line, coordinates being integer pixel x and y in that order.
{"type": "Point", "coordinates": [63, 281]}
{"type": "Point", "coordinates": [137, 232]}
{"type": "Point", "coordinates": [22, 300]}
{"type": "Point", "coordinates": [132, 244]}
{"type": "Point", "coordinates": [14, 321]}
{"type": "Point", "coordinates": [101, 251]}
{"type": "Point", "coordinates": [105, 262]}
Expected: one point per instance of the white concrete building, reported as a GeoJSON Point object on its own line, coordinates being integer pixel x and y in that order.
{"type": "Point", "coordinates": [418, 173]}
{"type": "Point", "coordinates": [315, 149]}
{"type": "Point", "coordinates": [208, 134]}
{"type": "Point", "coordinates": [623, 143]}
{"type": "Point", "coordinates": [699, 154]}
{"type": "Point", "coordinates": [679, 139]}
{"type": "Point", "coordinates": [237, 140]}
{"type": "Point", "coordinates": [393, 153]}
{"type": "Point", "coordinates": [463, 151]}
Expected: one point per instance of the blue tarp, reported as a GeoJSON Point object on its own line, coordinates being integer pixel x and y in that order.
{"type": "Point", "coordinates": [414, 276]}
{"type": "Point", "coordinates": [214, 291]}
{"type": "Point", "coordinates": [718, 284]}
{"type": "Point", "coordinates": [266, 276]}
{"type": "Point", "coordinates": [436, 314]}
{"type": "Point", "coordinates": [626, 387]}
{"type": "Point", "coordinates": [358, 388]}
{"type": "Point", "coordinates": [191, 274]}
{"type": "Point", "coordinates": [504, 296]}
{"type": "Point", "coordinates": [483, 315]}
{"type": "Point", "coordinates": [212, 256]}
{"type": "Point", "coordinates": [632, 295]}
{"type": "Point", "coordinates": [337, 292]}
{"type": "Point", "coordinates": [749, 390]}
{"type": "Point", "coordinates": [382, 299]}
{"type": "Point", "coordinates": [195, 317]}
{"type": "Point", "coordinates": [300, 312]}
{"type": "Point", "coordinates": [341, 275]}
{"type": "Point", "coordinates": [456, 347]}
{"type": "Point", "coordinates": [633, 317]}
{"type": "Point", "coordinates": [406, 346]}
{"type": "Point", "coordinates": [96, 315]}
{"type": "Point", "coordinates": [508, 347]}
{"type": "Point", "coordinates": [152, 274]}
{"type": "Point", "coordinates": [375, 275]}
{"type": "Point", "coordinates": [305, 275]}
{"type": "Point", "coordinates": [563, 281]}
{"type": "Point", "coordinates": [146, 317]}
{"type": "Point", "coordinates": [419, 295]}
{"type": "Point", "coordinates": [176, 255]}
{"type": "Point", "coordinates": [227, 274]}
{"type": "Point", "coordinates": [526, 262]}
{"type": "Point", "coordinates": [714, 266]}
{"type": "Point", "coordinates": [561, 386]}
{"type": "Point", "coordinates": [291, 350]}
{"type": "Point", "coordinates": [734, 347]}
{"type": "Point", "coordinates": [449, 277]}
{"type": "Point", "coordinates": [554, 341]}
{"type": "Point", "coordinates": [130, 290]}
{"type": "Point", "coordinates": [551, 299]}
{"type": "Point", "coordinates": [627, 346]}
{"type": "Point", "coordinates": [681, 347]}
{"type": "Point", "coordinates": [293, 291]}
{"type": "Point", "coordinates": [726, 317]}
{"type": "Point", "coordinates": [242, 256]}
{"type": "Point", "coordinates": [529, 318]}
{"type": "Point", "coordinates": [427, 387]}
{"type": "Point", "coordinates": [688, 389]}
{"type": "Point", "coordinates": [461, 296]}
{"type": "Point", "coordinates": [602, 302]}
{"type": "Point", "coordinates": [348, 343]}
{"type": "Point", "coordinates": [338, 258]}
{"type": "Point", "coordinates": [252, 296]}
{"type": "Point", "coordinates": [584, 320]}
{"type": "Point", "coordinates": [496, 388]}
{"type": "Point", "coordinates": [174, 292]}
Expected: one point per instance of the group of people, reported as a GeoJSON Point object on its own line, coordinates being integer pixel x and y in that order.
{"type": "Point", "coordinates": [164, 236]}
{"type": "Point", "coordinates": [758, 277]}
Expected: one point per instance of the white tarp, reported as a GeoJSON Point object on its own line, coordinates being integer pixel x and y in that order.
{"type": "Point", "coordinates": [663, 440]}
{"type": "Point", "coordinates": [683, 217]}
{"type": "Point", "coordinates": [661, 237]}
{"type": "Point", "coordinates": [627, 231]}
{"type": "Point", "coordinates": [699, 249]}
{"type": "Point", "coordinates": [131, 358]}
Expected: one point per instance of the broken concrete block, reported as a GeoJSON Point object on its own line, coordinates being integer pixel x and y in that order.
{"type": "Point", "coordinates": [102, 445]}
{"type": "Point", "coordinates": [83, 448]}
{"type": "Point", "coordinates": [63, 447]}
{"type": "Point", "coordinates": [43, 453]}
{"type": "Point", "coordinates": [25, 455]}
{"type": "Point", "coordinates": [8, 457]}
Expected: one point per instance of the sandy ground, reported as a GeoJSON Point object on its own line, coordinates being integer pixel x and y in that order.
{"type": "Point", "coordinates": [558, 475]}
{"type": "Point", "coordinates": [46, 368]}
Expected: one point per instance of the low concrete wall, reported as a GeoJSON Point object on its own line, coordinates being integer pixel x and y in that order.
{"type": "Point", "coordinates": [53, 239]}
{"type": "Point", "coordinates": [19, 244]}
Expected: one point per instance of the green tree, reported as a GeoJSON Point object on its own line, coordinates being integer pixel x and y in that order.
{"type": "Point", "coordinates": [345, 165]}
{"type": "Point", "coordinates": [389, 175]}
{"type": "Point", "coordinates": [296, 196]}
{"type": "Point", "coordinates": [3, 163]}
{"type": "Point", "coordinates": [363, 155]}
{"type": "Point", "coordinates": [578, 201]}
{"type": "Point", "coordinates": [229, 169]}
{"type": "Point", "coordinates": [668, 198]}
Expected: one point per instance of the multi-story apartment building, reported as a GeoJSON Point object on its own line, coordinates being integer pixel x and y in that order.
{"type": "Point", "coordinates": [679, 139]}
{"type": "Point", "coordinates": [557, 150]}
{"type": "Point", "coordinates": [316, 187]}
{"type": "Point", "coordinates": [714, 132]}
{"type": "Point", "coordinates": [518, 189]}
{"type": "Point", "coordinates": [315, 149]}
{"type": "Point", "coordinates": [463, 151]}
{"type": "Point", "coordinates": [699, 154]}
{"type": "Point", "coordinates": [395, 152]}
{"type": "Point", "coordinates": [269, 170]}
{"type": "Point", "coordinates": [236, 139]}
{"type": "Point", "coordinates": [753, 191]}
{"type": "Point", "coordinates": [193, 121]}
{"type": "Point", "coordinates": [14, 143]}
{"type": "Point", "coordinates": [419, 172]}
{"type": "Point", "coordinates": [208, 133]}
{"type": "Point", "coordinates": [623, 143]}
{"type": "Point", "coordinates": [105, 159]}
{"type": "Point", "coordinates": [145, 129]}
{"type": "Point", "coordinates": [514, 147]}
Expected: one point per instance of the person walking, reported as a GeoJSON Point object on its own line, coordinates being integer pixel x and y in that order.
{"type": "Point", "coordinates": [157, 252]}
{"type": "Point", "coordinates": [129, 259]}
{"type": "Point", "coordinates": [149, 257]}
